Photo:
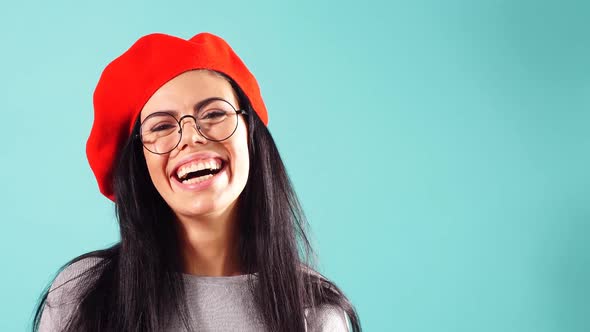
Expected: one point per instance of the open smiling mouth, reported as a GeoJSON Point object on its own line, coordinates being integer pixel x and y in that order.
{"type": "Point", "coordinates": [200, 172]}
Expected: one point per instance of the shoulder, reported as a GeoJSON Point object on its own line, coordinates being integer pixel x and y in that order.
{"type": "Point", "coordinates": [63, 295]}
{"type": "Point", "coordinates": [326, 318]}
{"type": "Point", "coordinates": [69, 280]}
{"type": "Point", "coordinates": [312, 275]}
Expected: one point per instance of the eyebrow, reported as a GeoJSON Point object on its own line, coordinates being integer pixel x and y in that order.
{"type": "Point", "coordinates": [195, 107]}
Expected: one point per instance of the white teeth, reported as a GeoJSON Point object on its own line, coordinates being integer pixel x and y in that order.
{"type": "Point", "coordinates": [197, 180]}
{"type": "Point", "coordinates": [200, 165]}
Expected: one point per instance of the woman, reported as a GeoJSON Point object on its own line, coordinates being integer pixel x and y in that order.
{"type": "Point", "coordinates": [211, 229]}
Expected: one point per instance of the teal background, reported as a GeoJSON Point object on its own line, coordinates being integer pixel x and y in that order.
{"type": "Point", "coordinates": [440, 148]}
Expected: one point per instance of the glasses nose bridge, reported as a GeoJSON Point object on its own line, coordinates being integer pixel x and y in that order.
{"type": "Point", "coordinates": [182, 122]}
{"type": "Point", "coordinates": [197, 129]}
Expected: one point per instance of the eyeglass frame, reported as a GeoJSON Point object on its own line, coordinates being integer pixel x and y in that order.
{"type": "Point", "coordinates": [197, 126]}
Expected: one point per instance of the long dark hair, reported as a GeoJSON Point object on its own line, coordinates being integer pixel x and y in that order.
{"type": "Point", "coordinates": [145, 263]}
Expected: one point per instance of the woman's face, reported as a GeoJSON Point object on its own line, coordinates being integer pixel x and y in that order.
{"type": "Point", "coordinates": [178, 175]}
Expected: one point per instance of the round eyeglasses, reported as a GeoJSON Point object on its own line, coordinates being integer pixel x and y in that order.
{"type": "Point", "coordinates": [216, 120]}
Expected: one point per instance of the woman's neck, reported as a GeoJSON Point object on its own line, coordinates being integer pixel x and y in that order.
{"type": "Point", "coordinates": [209, 244]}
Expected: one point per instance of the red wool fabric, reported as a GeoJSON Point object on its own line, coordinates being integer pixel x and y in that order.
{"type": "Point", "coordinates": [130, 80]}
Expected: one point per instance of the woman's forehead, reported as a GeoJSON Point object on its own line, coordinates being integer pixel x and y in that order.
{"type": "Point", "coordinates": [188, 89]}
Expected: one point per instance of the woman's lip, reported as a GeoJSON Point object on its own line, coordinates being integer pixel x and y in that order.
{"type": "Point", "coordinates": [203, 184]}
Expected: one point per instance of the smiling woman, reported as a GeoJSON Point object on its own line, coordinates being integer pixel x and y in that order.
{"type": "Point", "coordinates": [193, 142]}
{"type": "Point", "coordinates": [212, 235]}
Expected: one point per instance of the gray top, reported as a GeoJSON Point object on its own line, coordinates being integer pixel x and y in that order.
{"type": "Point", "coordinates": [222, 304]}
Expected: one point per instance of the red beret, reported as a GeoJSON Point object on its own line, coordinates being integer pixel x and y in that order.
{"type": "Point", "coordinates": [130, 80]}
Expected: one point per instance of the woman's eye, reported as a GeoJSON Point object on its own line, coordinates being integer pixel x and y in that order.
{"type": "Point", "coordinates": [213, 115]}
{"type": "Point", "coordinates": [163, 126]}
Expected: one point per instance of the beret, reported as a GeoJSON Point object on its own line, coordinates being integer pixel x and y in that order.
{"type": "Point", "coordinates": [131, 79]}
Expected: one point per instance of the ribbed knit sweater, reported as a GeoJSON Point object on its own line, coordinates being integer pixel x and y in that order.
{"type": "Point", "coordinates": [214, 303]}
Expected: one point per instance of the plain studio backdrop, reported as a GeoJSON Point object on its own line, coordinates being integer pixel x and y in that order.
{"type": "Point", "coordinates": [440, 148]}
